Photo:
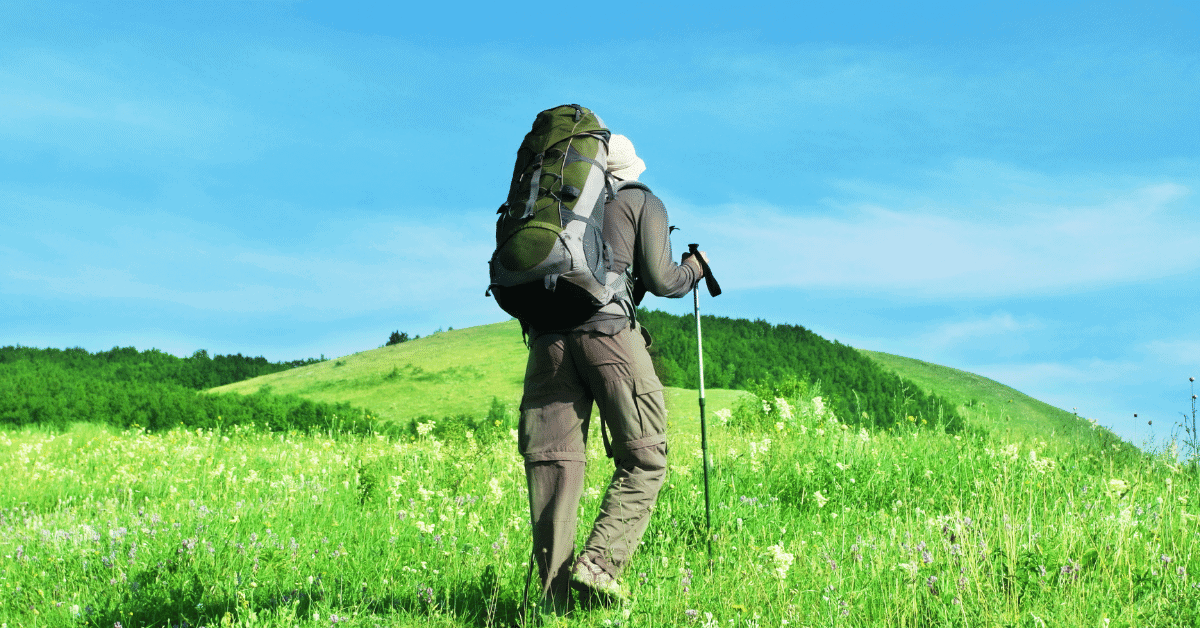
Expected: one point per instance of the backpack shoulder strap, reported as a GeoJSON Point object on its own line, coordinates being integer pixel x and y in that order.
{"type": "Point", "coordinates": [626, 285]}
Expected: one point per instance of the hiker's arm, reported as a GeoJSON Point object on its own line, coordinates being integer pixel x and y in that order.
{"type": "Point", "coordinates": [658, 270]}
{"type": "Point", "coordinates": [703, 256]}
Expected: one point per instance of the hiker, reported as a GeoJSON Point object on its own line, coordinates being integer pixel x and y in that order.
{"type": "Point", "coordinates": [602, 360]}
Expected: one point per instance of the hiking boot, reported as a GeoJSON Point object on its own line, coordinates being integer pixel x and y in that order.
{"type": "Point", "coordinates": [592, 579]}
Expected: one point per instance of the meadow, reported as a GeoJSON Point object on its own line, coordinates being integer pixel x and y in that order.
{"type": "Point", "coordinates": [815, 523]}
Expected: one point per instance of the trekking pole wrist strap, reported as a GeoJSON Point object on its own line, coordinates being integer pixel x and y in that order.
{"type": "Point", "coordinates": [714, 288]}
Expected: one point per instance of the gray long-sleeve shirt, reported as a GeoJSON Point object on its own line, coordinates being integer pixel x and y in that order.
{"type": "Point", "coordinates": [637, 229]}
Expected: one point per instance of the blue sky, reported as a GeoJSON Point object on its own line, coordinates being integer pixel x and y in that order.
{"type": "Point", "coordinates": [1007, 188]}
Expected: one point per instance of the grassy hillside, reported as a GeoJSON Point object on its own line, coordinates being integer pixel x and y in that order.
{"type": "Point", "coordinates": [990, 405]}
{"type": "Point", "coordinates": [741, 354]}
{"type": "Point", "coordinates": [459, 371]}
{"type": "Point", "coordinates": [445, 374]}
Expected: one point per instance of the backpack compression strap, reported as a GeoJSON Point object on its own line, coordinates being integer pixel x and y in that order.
{"type": "Point", "coordinates": [572, 156]}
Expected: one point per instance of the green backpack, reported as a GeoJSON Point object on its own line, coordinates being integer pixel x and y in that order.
{"type": "Point", "coordinates": [552, 267]}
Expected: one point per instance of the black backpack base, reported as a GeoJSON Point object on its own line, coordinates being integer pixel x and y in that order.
{"type": "Point", "coordinates": [543, 310]}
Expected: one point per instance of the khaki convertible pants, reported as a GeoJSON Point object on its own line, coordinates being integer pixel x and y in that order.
{"type": "Point", "coordinates": [565, 374]}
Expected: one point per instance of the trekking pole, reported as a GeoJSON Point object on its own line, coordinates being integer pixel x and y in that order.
{"type": "Point", "coordinates": [714, 289]}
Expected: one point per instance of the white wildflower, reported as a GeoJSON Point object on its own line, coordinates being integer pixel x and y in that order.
{"type": "Point", "coordinates": [782, 561]}
{"type": "Point", "coordinates": [1040, 465]}
{"type": "Point", "coordinates": [821, 499]}
{"type": "Point", "coordinates": [423, 429]}
{"type": "Point", "coordinates": [474, 524]}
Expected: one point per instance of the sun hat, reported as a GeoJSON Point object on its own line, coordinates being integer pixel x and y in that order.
{"type": "Point", "coordinates": [623, 162]}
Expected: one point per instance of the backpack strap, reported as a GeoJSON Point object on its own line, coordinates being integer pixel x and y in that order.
{"type": "Point", "coordinates": [535, 184]}
{"type": "Point", "coordinates": [626, 287]}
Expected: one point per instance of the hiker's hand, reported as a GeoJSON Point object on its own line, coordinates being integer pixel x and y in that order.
{"type": "Point", "coordinates": [699, 267]}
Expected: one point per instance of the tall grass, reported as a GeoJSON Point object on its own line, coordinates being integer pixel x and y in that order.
{"type": "Point", "coordinates": [815, 524]}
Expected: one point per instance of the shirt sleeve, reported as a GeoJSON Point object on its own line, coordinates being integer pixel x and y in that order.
{"type": "Point", "coordinates": [654, 264]}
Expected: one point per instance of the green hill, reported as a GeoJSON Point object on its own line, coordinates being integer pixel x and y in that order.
{"type": "Point", "coordinates": [459, 372]}
{"type": "Point", "coordinates": [445, 374]}
{"type": "Point", "coordinates": [989, 405]}
{"type": "Point", "coordinates": [745, 354]}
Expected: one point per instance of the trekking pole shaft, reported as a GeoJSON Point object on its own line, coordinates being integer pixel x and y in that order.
{"type": "Point", "coordinates": [703, 425]}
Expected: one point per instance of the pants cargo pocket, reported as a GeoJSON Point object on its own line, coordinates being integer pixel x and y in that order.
{"type": "Point", "coordinates": [636, 416]}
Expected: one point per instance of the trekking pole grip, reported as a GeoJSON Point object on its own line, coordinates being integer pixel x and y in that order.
{"type": "Point", "coordinates": [714, 288]}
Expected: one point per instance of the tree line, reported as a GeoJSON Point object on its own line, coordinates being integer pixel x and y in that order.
{"type": "Point", "coordinates": [745, 354]}
{"type": "Point", "coordinates": [155, 390]}
{"type": "Point", "coordinates": [199, 371]}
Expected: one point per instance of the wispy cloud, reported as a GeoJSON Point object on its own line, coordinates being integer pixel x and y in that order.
{"type": "Point", "coordinates": [359, 263]}
{"type": "Point", "coordinates": [1176, 352]}
{"type": "Point", "coordinates": [952, 247]}
{"type": "Point", "coordinates": [1060, 375]}
{"type": "Point", "coordinates": [999, 325]}
{"type": "Point", "coordinates": [98, 106]}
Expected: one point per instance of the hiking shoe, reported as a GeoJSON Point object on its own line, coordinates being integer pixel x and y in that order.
{"type": "Point", "coordinates": [590, 578]}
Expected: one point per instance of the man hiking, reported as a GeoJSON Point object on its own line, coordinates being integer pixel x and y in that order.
{"type": "Point", "coordinates": [603, 360]}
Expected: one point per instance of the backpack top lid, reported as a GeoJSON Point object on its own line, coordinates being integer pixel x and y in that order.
{"type": "Point", "coordinates": [552, 161]}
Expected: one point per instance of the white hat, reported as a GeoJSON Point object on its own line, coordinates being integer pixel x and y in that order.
{"type": "Point", "coordinates": [623, 162]}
